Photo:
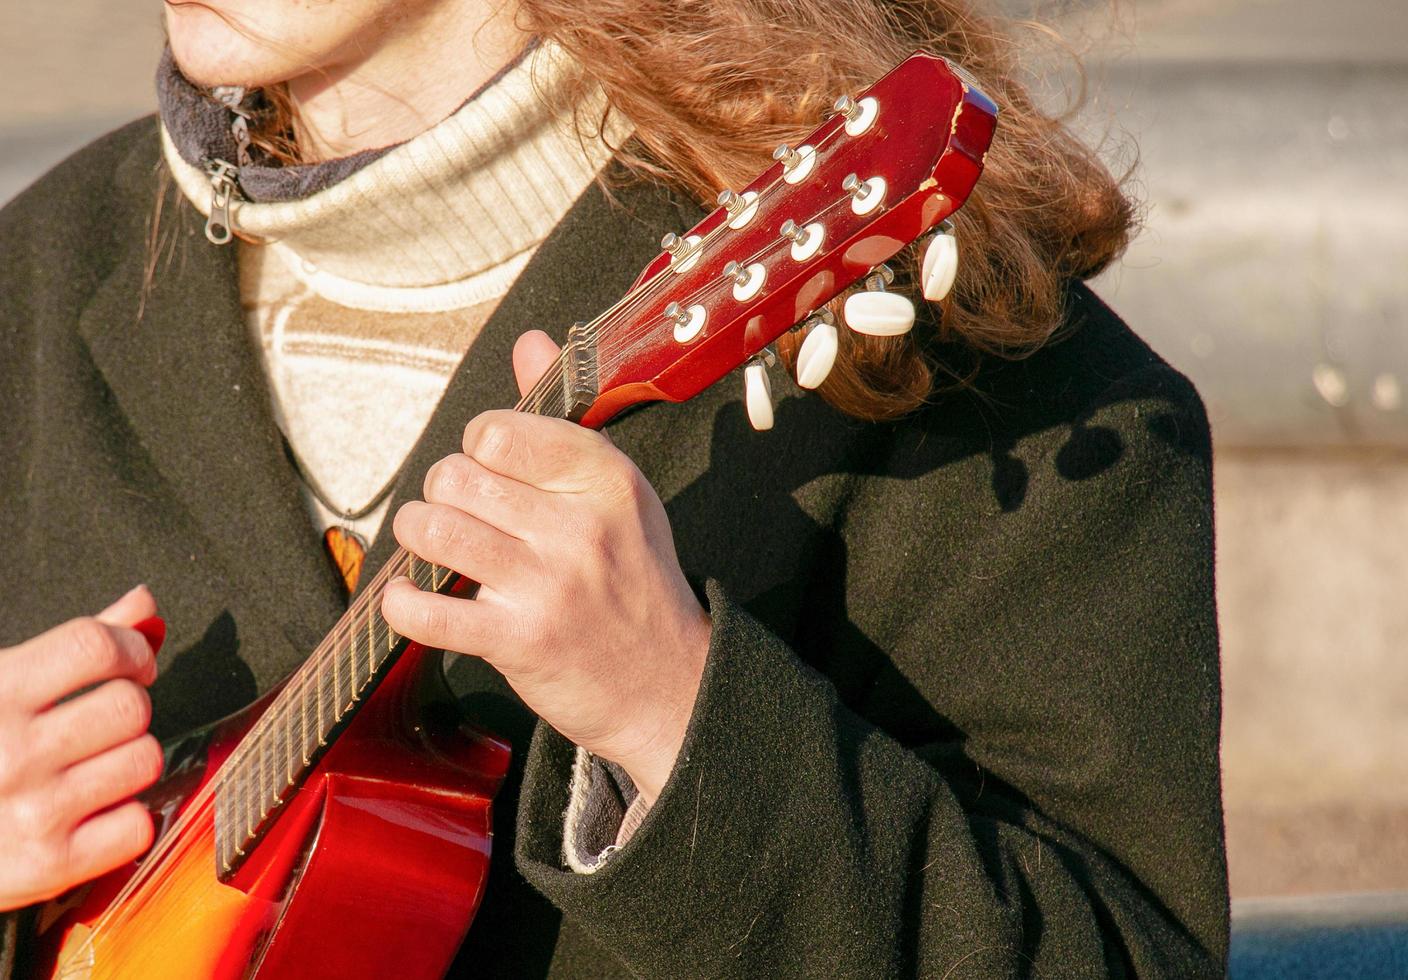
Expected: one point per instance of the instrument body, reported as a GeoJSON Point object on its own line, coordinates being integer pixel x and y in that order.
{"type": "Point", "coordinates": [387, 838]}
{"type": "Point", "coordinates": [350, 809]}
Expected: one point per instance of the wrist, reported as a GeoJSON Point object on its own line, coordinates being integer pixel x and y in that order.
{"type": "Point", "coordinates": [651, 764]}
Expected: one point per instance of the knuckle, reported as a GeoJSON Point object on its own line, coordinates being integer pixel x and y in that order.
{"type": "Point", "coordinates": [34, 816]}
{"type": "Point", "coordinates": [95, 644]}
{"type": "Point", "coordinates": [449, 477]}
{"type": "Point", "coordinates": [498, 441]}
{"type": "Point", "coordinates": [432, 620]}
{"type": "Point", "coordinates": [137, 832]}
{"type": "Point", "coordinates": [145, 761]}
{"type": "Point", "coordinates": [131, 706]}
{"type": "Point", "coordinates": [633, 485]}
{"type": "Point", "coordinates": [49, 859]}
{"type": "Point", "coordinates": [441, 528]}
{"type": "Point", "coordinates": [14, 763]}
{"type": "Point", "coordinates": [594, 537]}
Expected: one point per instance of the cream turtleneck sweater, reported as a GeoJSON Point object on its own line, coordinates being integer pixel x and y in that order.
{"type": "Point", "coordinates": [365, 296]}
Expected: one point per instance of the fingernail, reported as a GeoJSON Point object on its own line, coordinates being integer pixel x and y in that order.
{"type": "Point", "coordinates": [153, 628]}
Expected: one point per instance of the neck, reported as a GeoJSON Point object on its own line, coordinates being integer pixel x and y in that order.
{"type": "Point", "coordinates": [322, 696]}
{"type": "Point", "coordinates": [420, 69]}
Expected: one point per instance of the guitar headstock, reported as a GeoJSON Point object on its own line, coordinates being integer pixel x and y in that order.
{"type": "Point", "coordinates": [891, 164]}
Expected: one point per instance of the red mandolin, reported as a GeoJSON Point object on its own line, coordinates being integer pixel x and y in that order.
{"type": "Point", "coordinates": [353, 799]}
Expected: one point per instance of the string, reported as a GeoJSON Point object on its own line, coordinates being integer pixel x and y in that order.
{"type": "Point", "coordinates": [155, 870]}
{"type": "Point", "coordinates": [547, 397]}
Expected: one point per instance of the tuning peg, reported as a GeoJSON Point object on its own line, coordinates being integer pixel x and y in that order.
{"type": "Point", "coordinates": [747, 280]}
{"type": "Point", "coordinates": [806, 239]}
{"type": "Point", "coordinates": [740, 207]}
{"type": "Point", "coordinates": [878, 313]}
{"type": "Point", "coordinates": [860, 115]}
{"type": "Point", "coordinates": [866, 195]}
{"type": "Point", "coordinates": [757, 393]}
{"type": "Point", "coordinates": [940, 264]}
{"type": "Point", "coordinates": [687, 321]}
{"type": "Point", "coordinates": [818, 351]}
{"type": "Point", "coordinates": [683, 252]}
{"type": "Point", "coordinates": [797, 164]}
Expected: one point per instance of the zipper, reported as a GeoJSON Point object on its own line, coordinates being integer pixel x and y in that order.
{"type": "Point", "coordinates": [223, 190]}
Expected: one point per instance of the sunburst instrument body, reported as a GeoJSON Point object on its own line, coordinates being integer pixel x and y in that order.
{"type": "Point", "coordinates": [386, 840]}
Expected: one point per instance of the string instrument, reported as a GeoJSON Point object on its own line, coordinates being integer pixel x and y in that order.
{"type": "Point", "coordinates": [352, 800]}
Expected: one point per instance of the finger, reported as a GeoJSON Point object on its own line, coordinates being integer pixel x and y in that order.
{"type": "Point", "coordinates": [468, 485]}
{"type": "Point", "coordinates": [109, 715]}
{"type": "Point", "coordinates": [132, 608]}
{"type": "Point", "coordinates": [78, 653]}
{"type": "Point", "coordinates": [533, 353]}
{"type": "Point", "coordinates": [108, 778]}
{"type": "Point", "coordinates": [453, 539]}
{"type": "Point", "coordinates": [550, 454]}
{"type": "Point", "coordinates": [438, 621]}
{"type": "Point", "coordinates": [108, 840]}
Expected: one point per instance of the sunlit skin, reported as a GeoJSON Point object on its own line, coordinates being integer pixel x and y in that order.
{"type": "Point", "coordinates": [583, 608]}
{"type": "Point", "coordinates": [362, 73]}
{"type": "Point", "coordinates": [63, 765]}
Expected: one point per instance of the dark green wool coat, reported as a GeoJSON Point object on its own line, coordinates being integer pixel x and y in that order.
{"type": "Point", "coordinates": [960, 714]}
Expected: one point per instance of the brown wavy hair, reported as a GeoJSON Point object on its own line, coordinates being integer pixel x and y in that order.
{"type": "Point", "coordinates": [712, 86]}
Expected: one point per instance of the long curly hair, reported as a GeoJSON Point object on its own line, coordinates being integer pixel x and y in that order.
{"type": "Point", "coordinates": [710, 87]}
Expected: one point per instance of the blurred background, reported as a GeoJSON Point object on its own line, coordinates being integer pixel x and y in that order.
{"type": "Point", "coordinates": [1272, 148]}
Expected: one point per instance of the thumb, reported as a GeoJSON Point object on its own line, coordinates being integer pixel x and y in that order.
{"type": "Point", "coordinates": [131, 609]}
{"type": "Point", "coordinates": [533, 354]}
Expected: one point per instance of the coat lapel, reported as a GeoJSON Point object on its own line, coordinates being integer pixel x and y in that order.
{"type": "Point", "coordinates": [585, 265]}
{"type": "Point", "coordinates": [184, 370]}
{"type": "Point", "coordinates": [186, 375]}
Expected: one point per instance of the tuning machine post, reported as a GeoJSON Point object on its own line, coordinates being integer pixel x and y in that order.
{"type": "Point", "coordinates": [859, 113]}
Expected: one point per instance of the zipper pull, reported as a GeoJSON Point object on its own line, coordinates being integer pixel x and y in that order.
{"type": "Point", "coordinates": [223, 190]}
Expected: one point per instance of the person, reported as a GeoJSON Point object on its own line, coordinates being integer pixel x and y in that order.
{"type": "Point", "coordinates": [922, 682]}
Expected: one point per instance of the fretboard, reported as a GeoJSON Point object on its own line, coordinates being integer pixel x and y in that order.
{"type": "Point", "coordinates": [310, 711]}
{"type": "Point", "coordinates": [320, 699]}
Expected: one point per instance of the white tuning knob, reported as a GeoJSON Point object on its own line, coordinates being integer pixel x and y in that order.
{"type": "Point", "coordinates": [817, 354]}
{"type": "Point", "coordinates": [757, 395]}
{"type": "Point", "coordinates": [940, 264]}
{"type": "Point", "coordinates": [877, 313]}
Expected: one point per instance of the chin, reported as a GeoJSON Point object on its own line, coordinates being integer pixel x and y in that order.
{"type": "Point", "coordinates": [212, 48]}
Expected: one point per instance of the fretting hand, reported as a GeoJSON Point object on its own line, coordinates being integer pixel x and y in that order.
{"type": "Point", "coordinates": [68, 771]}
{"type": "Point", "coordinates": [582, 605]}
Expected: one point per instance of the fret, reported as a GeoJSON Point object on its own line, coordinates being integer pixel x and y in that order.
{"type": "Point", "coordinates": [356, 682]}
{"type": "Point", "coordinates": [349, 671]}
{"type": "Point", "coordinates": [303, 721]}
{"type": "Point", "coordinates": [371, 641]}
{"type": "Point", "coordinates": [246, 798]}
{"type": "Point", "coordinates": [321, 685]}
{"type": "Point", "coordinates": [290, 766]}
{"type": "Point", "coordinates": [262, 757]}
{"type": "Point", "coordinates": [336, 686]}
{"type": "Point", "coordinates": [222, 821]}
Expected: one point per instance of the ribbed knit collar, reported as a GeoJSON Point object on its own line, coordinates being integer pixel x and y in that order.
{"type": "Point", "coordinates": [481, 187]}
